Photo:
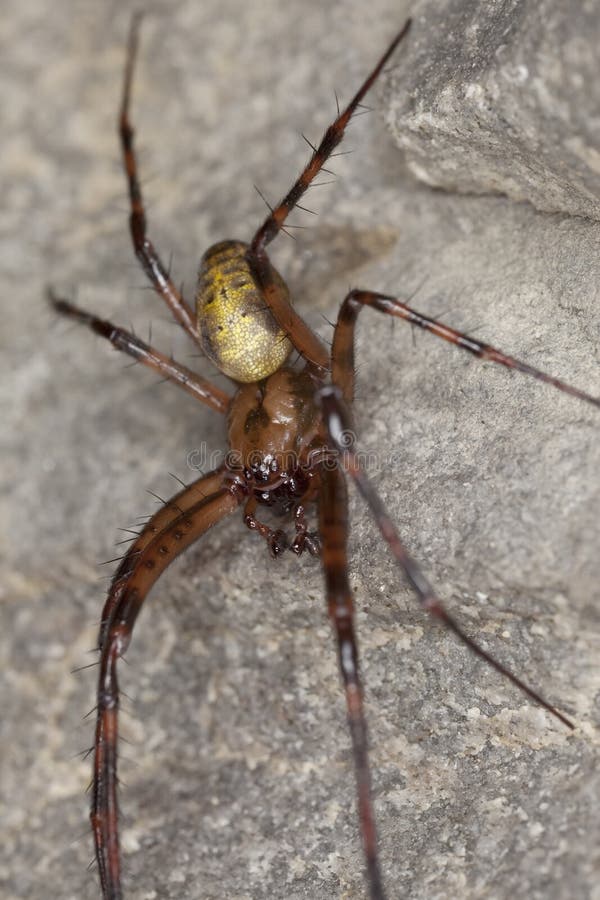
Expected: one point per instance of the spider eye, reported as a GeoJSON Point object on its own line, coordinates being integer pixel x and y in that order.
{"type": "Point", "coordinates": [239, 333]}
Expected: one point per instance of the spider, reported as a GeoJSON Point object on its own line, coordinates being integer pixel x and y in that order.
{"type": "Point", "coordinates": [291, 443]}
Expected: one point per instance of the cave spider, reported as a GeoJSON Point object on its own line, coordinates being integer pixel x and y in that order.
{"type": "Point", "coordinates": [291, 442]}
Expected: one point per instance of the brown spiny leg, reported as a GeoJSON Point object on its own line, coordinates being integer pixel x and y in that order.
{"type": "Point", "coordinates": [143, 246]}
{"type": "Point", "coordinates": [301, 336]}
{"type": "Point", "coordinates": [129, 343]}
{"type": "Point", "coordinates": [189, 496]}
{"type": "Point", "coordinates": [342, 354]}
{"type": "Point", "coordinates": [337, 420]}
{"type": "Point", "coordinates": [333, 525]}
{"type": "Point", "coordinates": [167, 534]}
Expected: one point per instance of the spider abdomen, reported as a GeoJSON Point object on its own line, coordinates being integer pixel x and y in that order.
{"type": "Point", "coordinates": [239, 332]}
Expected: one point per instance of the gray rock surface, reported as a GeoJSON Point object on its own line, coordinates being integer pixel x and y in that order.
{"type": "Point", "coordinates": [500, 98]}
{"type": "Point", "coordinates": [237, 777]}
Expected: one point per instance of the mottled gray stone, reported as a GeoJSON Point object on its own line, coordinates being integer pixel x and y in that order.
{"type": "Point", "coordinates": [237, 780]}
{"type": "Point", "coordinates": [502, 97]}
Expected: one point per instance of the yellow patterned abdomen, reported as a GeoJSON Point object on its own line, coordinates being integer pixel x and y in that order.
{"type": "Point", "coordinates": [239, 332]}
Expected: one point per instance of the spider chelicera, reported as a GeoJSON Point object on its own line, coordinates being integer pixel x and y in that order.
{"type": "Point", "coordinates": [290, 444]}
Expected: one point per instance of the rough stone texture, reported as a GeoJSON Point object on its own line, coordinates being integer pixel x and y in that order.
{"type": "Point", "coordinates": [237, 779]}
{"type": "Point", "coordinates": [501, 97]}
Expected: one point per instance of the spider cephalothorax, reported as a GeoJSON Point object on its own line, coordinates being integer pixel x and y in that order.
{"type": "Point", "coordinates": [277, 441]}
{"type": "Point", "coordinates": [291, 441]}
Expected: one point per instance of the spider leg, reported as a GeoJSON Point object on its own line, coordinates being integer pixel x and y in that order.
{"type": "Point", "coordinates": [143, 246]}
{"type": "Point", "coordinates": [333, 525]}
{"type": "Point", "coordinates": [337, 420]}
{"type": "Point", "coordinates": [301, 336]}
{"type": "Point", "coordinates": [332, 137]}
{"type": "Point", "coordinates": [342, 353]}
{"type": "Point", "coordinates": [128, 343]}
{"type": "Point", "coordinates": [189, 496]}
{"type": "Point", "coordinates": [170, 531]}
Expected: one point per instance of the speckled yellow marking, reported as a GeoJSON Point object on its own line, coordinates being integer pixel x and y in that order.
{"type": "Point", "coordinates": [239, 333]}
